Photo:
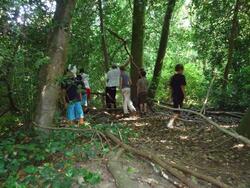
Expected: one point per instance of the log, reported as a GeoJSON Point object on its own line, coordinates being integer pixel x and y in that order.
{"type": "Point", "coordinates": [122, 179]}
{"type": "Point", "coordinates": [230, 133]}
{"type": "Point", "coordinates": [152, 158]}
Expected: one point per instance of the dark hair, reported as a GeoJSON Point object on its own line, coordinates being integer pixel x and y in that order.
{"type": "Point", "coordinates": [122, 68]}
{"type": "Point", "coordinates": [179, 67]}
{"type": "Point", "coordinates": [114, 66]}
{"type": "Point", "coordinates": [81, 70]}
{"type": "Point", "coordinates": [143, 73]}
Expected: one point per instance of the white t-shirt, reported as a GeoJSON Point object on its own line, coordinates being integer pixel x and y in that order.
{"type": "Point", "coordinates": [85, 79]}
{"type": "Point", "coordinates": [113, 77]}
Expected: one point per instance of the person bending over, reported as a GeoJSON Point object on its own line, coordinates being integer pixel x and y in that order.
{"type": "Point", "coordinates": [177, 87]}
{"type": "Point", "coordinates": [72, 98]}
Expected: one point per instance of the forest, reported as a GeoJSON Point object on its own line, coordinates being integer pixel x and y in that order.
{"type": "Point", "coordinates": [125, 135]}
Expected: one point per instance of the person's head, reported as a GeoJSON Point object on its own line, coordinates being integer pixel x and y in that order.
{"type": "Point", "coordinates": [122, 68]}
{"type": "Point", "coordinates": [114, 66]}
{"type": "Point", "coordinates": [179, 68]}
{"type": "Point", "coordinates": [143, 73]}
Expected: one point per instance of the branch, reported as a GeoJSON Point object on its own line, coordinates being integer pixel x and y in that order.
{"type": "Point", "coordinates": [230, 133]}
{"type": "Point", "coordinates": [167, 165]}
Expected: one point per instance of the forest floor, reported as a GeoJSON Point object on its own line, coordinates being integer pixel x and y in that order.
{"type": "Point", "coordinates": [193, 143]}
{"type": "Point", "coordinates": [84, 157]}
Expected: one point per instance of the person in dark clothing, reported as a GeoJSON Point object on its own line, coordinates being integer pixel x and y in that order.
{"type": "Point", "coordinates": [177, 86]}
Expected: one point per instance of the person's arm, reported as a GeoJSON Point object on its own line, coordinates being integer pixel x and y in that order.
{"type": "Point", "coordinates": [64, 98]}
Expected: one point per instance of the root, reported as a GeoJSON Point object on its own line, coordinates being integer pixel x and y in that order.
{"type": "Point", "coordinates": [170, 167]}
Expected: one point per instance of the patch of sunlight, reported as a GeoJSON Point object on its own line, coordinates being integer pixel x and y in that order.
{"type": "Point", "coordinates": [238, 146]}
{"type": "Point", "coordinates": [139, 124]}
{"type": "Point", "coordinates": [169, 147]}
{"type": "Point", "coordinates": [163, 141]}
{"type": "Point", "coordinates": [184, 137]}
{"type": "Point", "coordinates": [228, 126]}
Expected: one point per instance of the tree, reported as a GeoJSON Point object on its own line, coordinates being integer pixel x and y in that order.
{"type": "Point", "coordinates": [244, 127]}
{"type": "Point", "coordinates": [103, 36]}
{"type": "Point", "coordinates": [231, 43]}
{"type": "Point", "coordinates": [162, 48]}
{"type": "Point", "coordinates": [137, 42]}
{"type": "Point", "coordinates": [49, 88]}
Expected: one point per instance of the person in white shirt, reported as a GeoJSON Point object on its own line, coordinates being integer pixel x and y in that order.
{"type": "Point", "coordinates": [113, 81]}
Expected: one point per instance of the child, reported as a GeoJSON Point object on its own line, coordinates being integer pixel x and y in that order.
{"type": "Point", "coordinates": [86, 92]}
{"type": "Point", "coordinates": [125, 83]}
{"type": "Point", "coordinates": [142, 89]}
{"type": "Point", "coordinates": [177, 86]}
{"type": "Point", "coordinates": [72, 97]}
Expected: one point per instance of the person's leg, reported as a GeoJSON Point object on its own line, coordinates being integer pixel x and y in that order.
{"type": "Point", "coordinates": [70, 114]}
{"type": "Point", "coordinates": [130, 103]}
{"type": "Point", "coordinates": [108, 101]}
{"type": "Point", "coordinates": [125, 95]}
{"type": "Point", "coordinates": [145, 108]}
{"type": "Point", "coordinates": [79, 112]}
{"type": "Point", "coordinates": [112, 96]}
{"type": "Point", "coordinates": [141, 108]}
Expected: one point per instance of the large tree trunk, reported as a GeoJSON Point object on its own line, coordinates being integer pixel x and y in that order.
{"type": "Point", "coordinates": [49, 88]}
{"type": "Point", "coordinates": [231, 44]}
{"type": "Point", "coordinates": [137, 42]}
{"type": "Point", "coordinates": [244, 127]}
{"type": "Point", "coordinates": [103, 36]}
{"type": "Point", "coordinates": [162, 49]}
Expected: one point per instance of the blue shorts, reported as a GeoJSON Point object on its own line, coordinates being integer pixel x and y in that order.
{"type": "Point", "coordinates": [74, 111]}
{"type": "Point", "coordinates": [84, 101]}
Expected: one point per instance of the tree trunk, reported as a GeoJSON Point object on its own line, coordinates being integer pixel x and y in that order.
{"type": "Point", "coordinates": [49, 88]}
{"type": "Point", "coordinates": [244, 127]}
{"type": "Point", "coordinates": [103, 36]}
{"type": "Point", "coordinates": [231, 44]}
{"type": "Point", "coordinates": [162, 49]}
{"type": "Point", "coordinates": [137, 43]}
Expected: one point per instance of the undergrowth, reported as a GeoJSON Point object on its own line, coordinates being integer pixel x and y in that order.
{"type": "Point", "coordinates": [49, 159]}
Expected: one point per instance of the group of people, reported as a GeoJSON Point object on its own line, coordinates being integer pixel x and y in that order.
{"type": "Point", "coordinates": [118, 78]}
{"type": "Point", "coordinates": [76, 91]}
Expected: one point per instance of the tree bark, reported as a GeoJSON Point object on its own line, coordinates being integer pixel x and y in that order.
{"type": "Point", "coordinates": [49, 88]}
{"type": "Point", "coordinates": [244, 127]}
{"type": "Point", "coordinates": [137, 43]}
{"type": "Point", "coordinates": [103, 36]}
{"type": "Point", "coordinates": [231, 44]}
{"type": "Point", "coordinates": [162, 49]}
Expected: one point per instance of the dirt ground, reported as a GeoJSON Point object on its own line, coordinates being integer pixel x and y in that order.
{"type": "Point", "coordinates": [192, 143]}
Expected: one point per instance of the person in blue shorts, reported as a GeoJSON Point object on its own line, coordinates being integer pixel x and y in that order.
{"type": "Point", "coordinates": [72, 97]}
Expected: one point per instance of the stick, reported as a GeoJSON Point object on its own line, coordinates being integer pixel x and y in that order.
{"type": "Point", "coordinates": [207, 96]}
{"type": "Point", "coordinates": [153, 158]}
{"type": "Point", "coordinates": [230, 133]}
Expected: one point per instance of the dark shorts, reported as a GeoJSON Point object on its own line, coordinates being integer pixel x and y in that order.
{"type": "Point", "coordinates": [110, 96]}
{"type": "Point", "coordinates": [178, 103]}
{"type": "Point", "coordinates": [142, 98]}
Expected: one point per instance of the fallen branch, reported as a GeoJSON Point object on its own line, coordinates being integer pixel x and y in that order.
{"type": "Point", "coordinates": [230, 133]}
{"type": "Point", "coordinates": [168, 166]}
{"type": "Point", "coordinates": [122, 179]}
{"type": "Point", "coordinates": [233, 114]}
